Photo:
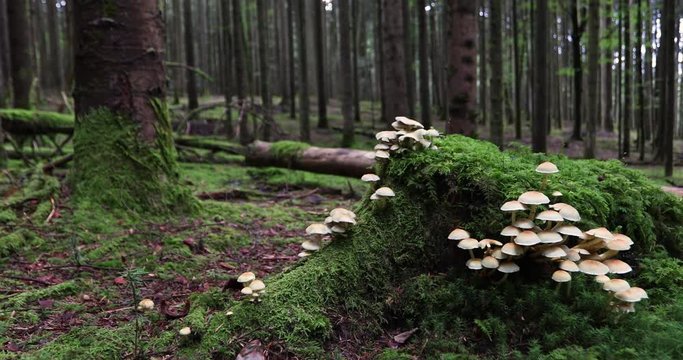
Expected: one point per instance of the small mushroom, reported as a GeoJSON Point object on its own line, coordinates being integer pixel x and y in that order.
{"type": "Point", "coordinates": [510, 231]}
{"type": "Point", "coordinates": [247, 290]}
{"type": "Point", "coordinates": [513, 206]}
{"type": "Point", "coordinates": [617, 266]}
{"type": "Point", "coordinates": [524, 224]}
{"type": "Point", "coordinates": [549, 215]}
{"type": "Point", "coordinates": [318, 229]}
{"type": "Point", "coordinates": [246, 277]}
{"type": "Point", "coordinates": [616, 285]}
{"type": "Point", "coordinates": [385, 192]}
{"type": "Point", "coordinates": [569, 213]}
{"type": "Point", "coordinates": [145, 305]}
{"type": "Point", "coordinates": [311, 245]}
{"type": "Point", "coordinates": [458, 234]}
{"type": "Point", "coordinates": [633, 294]}
{"type": "Point", "coordinates": [185, 331]}
{"type": "Point", "coordinates": [512, 249]}
{"type": "Point", "coordinates": [561, 276]}
{"type": "Point", "coordinates": [554, 252]}
{"type": "Point", "coordinates": [474, 264]}
{"type": "Point", "coordinates": [549, 237]}
{"type": "Point", "coordinates": [381, 154]}
{"type": "Point", "coordinates": [490, 262]}
{"type": "Point", "coordinates": [592, 267]}
{"type": "Point", "coordinates": [487, 243]}
{"type": "Point", "coordinates": [527, 238]}
{"type": "Point", "coordinates": [601, 279]}
{"type": "Point", "coordinates": [370, 178]}
{"type": "Point", "coordinates": [568, 265]}
{"type": "Point", "coordinates": [547, 168]}
{"type": "Point", "coordinates": [507, 267]}
{"type": "Point", "coordinates": [257, 285]}
{"type": "Point", "coordinates": [469, 245]}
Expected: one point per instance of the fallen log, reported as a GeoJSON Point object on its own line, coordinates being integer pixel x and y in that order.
{"type": "Point", "coordinates": [34, 122]}
{"type": "Point", "coordinates": [209, 144]}
{"type": "Point", "coordinates": [299, 156]}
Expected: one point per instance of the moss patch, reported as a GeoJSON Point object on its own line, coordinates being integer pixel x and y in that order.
{"type": "Point", "coordinates": [32, 122]}
{"type": "Point", "coordinates": [288, 149]}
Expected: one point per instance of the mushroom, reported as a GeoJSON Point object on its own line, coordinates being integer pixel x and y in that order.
{"type": "Point", "coordinates": [633, 294]}
{"type": "Point", "coordinates": [246, 277]}
{"type": "Point", "coordinates": [406, 124]}
{"type": "Point", "coordinates": [487, 243]}
{"type": "Point", "coordinates": [247, 290]}
{"type": "Point", "coordinates": [381, 154]}
{"type": "Point", "coordinates": [474, 264]}
{"type": "Point", "coordinates": [546, 169]}
{"type": "Point", "coordinates": [592, 267]}
{"type": "Point", "coordinates": [469, 244]}
{"type": "Point", "coordinates": [557, 194]}
{"type": "Point", "coordinates": [561, 276]}
{"type": "Point", "coordinates": [569, 213]}
{"type": "Point", "coordinates": [616, 285]}
{"type": "Point", "coordinates": [490, 262]}
{"type": "Point", "coordinates": [554, 252]}
{"type": "Point", "coordinates": [185, 331]}
{"type": "Point", "coordinates": [384, 147]}
{"type": "Point", "coordinates": [311, 245]}
{"type": "Point", "coordinates": [498, 254]}
{"type": "Point", "coordinates": [507, 267]}
{"type": "Point", "coordinates": [458, 234]}
{"type": "Point", "coordinates": [613, 248]}
{"type": "Point", "coordinates": [318, 229]}
{"type": "Point", "coordinates": [617, 266]}
{"type": "Point", "coordinates": [568, 265]}
{"type": "Point", "coordinates": [533, 198]}
{"type": "Point", "coordinates": [527, 238]}
{"type": "Point", "coordinates": [386, 136]}
{"type": "Point", "coordinates": [145, 305]}
{"type": "Point", "coordinates": [601, 279]}
{"type": "Point", "coordinates": [257, 285]}
{"type": "Point", "coordinates": [510, 231]}
{"type": "Point", "coordinates": [549, 237]}
{"type": "Point", "coordinates": [513, 206]}
{"type": "Point", "coordinates": [370, 178]}
{"type": "Point", "coordinates": [524, 224]}
{"type": "Point", "coordinates": [550, 216]}
{"type": "Point", "coordinates": [384, 192]}
{"type": "Point", "coordinates": [512, 249]}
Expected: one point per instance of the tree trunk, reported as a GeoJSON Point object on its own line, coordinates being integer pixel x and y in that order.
{"type": "Point", "coordinates": [518, 72]}
{"type": "Point", "coordinates": [461, 70]}
{"type": "Point", "coordinates": [640, 86]}
{"type": "Point", "coordinates": [606, 74]}
{"type": "Point", "coordinates": [55, 59]}
{"type": "Point", "coordinates": [395, 81]}
{"type": "Point", "coordinates": [345, 72]}
{"type": "Point", "coordinates": [354, 51]}
{"type": "Point", "coordinates": [343, 162]}
{"type": "Point", "coordinates": [304, 125]}
{"type": "Point", "coordinates": [20, 52]}
{"type": "Point", "coordinates": [240, 78]}
{"type": "Point", "coordinates": [4, 50]}
{"type": "Point", "coordinates": [320, 63]}
{"type": "Point", "coordinates": [409, 58]}
{"type": "Point", "coordinates": [193, 102]}
{"type": "Point", "coordinates": [263, 69]}
{"type": "Point", "coordinates": [422, 43]}
{"type": "Point", "coordinates": [647, 78]}
{"type": "Point", "coordinates": [496, 59]}
{"type": "Point", "coordinates": [484, 100]}
{"type": "Point", "coordinates": [123, 146]}
{"type": "Point", "coordinates": [228, 60]}
{"type": "Point", "coordinates": [435, 59]}
{"type": "Point", "coordinates": [593, 57]}
{"type": "Point", "coordinates": [540, 119]}
{"type": "Point", "coordinates": [290, 58]}
{"type": "Point", "coordinates": [667, 95]}
{"type": "Point", "coordinates": [628, 76]}
{"type": "Point", "coordinates": [577, 34]}
{"type": "Point", "coordinates": [379, 30]}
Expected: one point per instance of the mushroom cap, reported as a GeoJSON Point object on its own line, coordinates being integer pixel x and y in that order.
{"type": "Point", "coordinates": [509, 231]}
{"type": "Point", "coordinates": [318, 229]}
{"type": "Point", "coordinates": [570, 213]}
{"type": "Point", "coordinates": [458, 234]}
{"type": "Point", "coordinates": [600, 233]}
{"type": "Point", "coordinates": [547, 168]}
{"type": "Point", "coordinates": [257, 285]}
{"type": "Point", "coordinates": [487, 243]}
{"type": "Point", "coordinates": [185, 331]}
{"type": "Point", "coordinates": [527, 238]}
{"type": "Point", "coordinates": [338, 229]}
{"type": "Point", "coordinates": [617, 266]}
{"type": "Point", "coordinates": [246, 277]}
{"type": "Point", "coordinates": [549, 215]}
{"type": "Point", "coordinates": [374, 196]}
{"type": "Point", "coordinates": [618, 245]}
{"type": "Point", "coordinates": [386, 136]}
{"type": "Point", "coordinates": [146, 304]}
{"type": "Point", "coordinates": [512, 249]}
{"type": "Point", "coordinates": [490, 262]}
{"type": "Point", "coordinates": [513, 205]}
{"type": "Point", "coordinates": [498, 254]}
{"type": "Point", "coordinates": [568, 265]}
{"type": "Point", "coordinates": [592, 267]}
{"type": "Point", "coordinates": [405, 122]}
{"type": "Point", "coordinates": [633, 294]}
{"type": "Point", "coordinates": [557, 194]}
{"type": "Point", "coordinates": [369, 178]}
{"type": "Point", "coordinates": [381, 154]}
{"type": "Point", "coordinates": [549, 237]}
{"type": "Point", "coordinates": [431, 132]}
{"type": "Point", "coordinates": [341, 215]}
{"type": "Point", "coordinates": [572, 254]}
{"type": "Point", "coordinates": [247, 290]}
{"type": "Point", "coordinates": [468, 244]}
{"type": "Point", "coordinates": [557, 206]}
{"type": "Point", "coordinates": [508, 267]}
{"type": "Point", "coordinates": [524, 224]}
{"type": "Point", "coordinates": [624, 238]}
{"type": "Point", "coordinates": [382, 146]}
{"type": "Point", "coordinates": [533, 198]}
{"type": "Point", "coordinates": [601, 279]}
{"type": "Point", "coordinates": [568, 229]}
{"type": "Point", "coordinates": [385, 192]}
{"type": "Point", "coordinates": [474, 264]}
{"type": "Point", "coordinates": [310, 245]}
{"type": "Point", "coordinates": [561, 276]}
{"type": "Point", "coordinates": [616, 285]}
{"type": "Point", "coordinates": [303, 254]}
{"type": "Point", "coordinates": [554, 252]}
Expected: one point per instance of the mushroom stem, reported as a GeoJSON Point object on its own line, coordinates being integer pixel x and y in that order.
{"type": "Point", "coordinates": [533, 212]}
{"type": "Point", "coordinates": [569, 288]}
{"type": "Point", "coordinates": [471, 254]}
{"type": "Point", "coordinates": [544, 182]}
{"type": "Point", "coordinates": [607, 255]}
{"type": "Point", "coordinates": [514, 217]}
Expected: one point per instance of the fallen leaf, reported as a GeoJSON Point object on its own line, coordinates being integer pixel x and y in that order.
{"type": "Point", "coordinates": [404, 336]}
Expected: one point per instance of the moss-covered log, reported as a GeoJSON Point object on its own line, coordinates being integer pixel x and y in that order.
{"type": "Point", "coordinates": [34, 122]}
{"type": "Point", "coordinates": [300, 156]}
{"type": "Point", "coordinates": [397, 269]}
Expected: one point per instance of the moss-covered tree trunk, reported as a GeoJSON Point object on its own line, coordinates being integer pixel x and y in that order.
{"type": "Point", "coordinates": [123, 146]}
{"type": "Point", "coordinates": [20, 52]}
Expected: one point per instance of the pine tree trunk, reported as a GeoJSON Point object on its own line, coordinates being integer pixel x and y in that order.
{"type": "Point", "coordinates": [647, 78]}
{"type": "Point", "coordinates": [518, 72]}
{"type": "Point", "coordinates": [178, 78]}
{"type": "Point", "coordinates": [640, 86]}
{"type": "Point", "coordinates": [191, 84]}
{"type": "Point", "coordinates": [20, 52]}
{"type": "Point", "coordinates": [540, 118]}
{"type": "Point", "coordinates": [422, 43]}
{"type": "Point", "coordinates": [4, 49]}
{"type": "Point", "coordinates": [228, 60]}
{"type": "Point", "coordinates": [606, 75]}
{"type": "Point", "coordinates": [304, 125]}
{"type": "Point", "coordinates": [435, 59]}
{"type": "Point", "coordinates": [354, 51]}
{"type": "Point", "coordinates": [593, 56]}
{"type": "Point", "coordinates": [240, 76]}
{"type": "Point", "coordinates": [345, 72]}
{"type": "Point", "coordinates": [667, 95]}
{"type": "Point", "coordinates": [395, 81]}
{"type": "Point", "coordinates": [263, 69]}
{"type": "Point", "coordinates": [461, 70]}
{"type": "Point", "coordinates": [290, 58]}
{"type": "Point", "coordinates": [320, 63]}
{"type": "Point", "coordinates": [409, 58]}
{"type": "Point", "coordinates": [124, 156]}
{"type": "Point", "coordinates": [484, 99]}
{"type": "Point", "coordinates": [628, 56]}
{"type": "Point", "coordinates": [496, 59]}
{"type": "Point", "coordinates": [577, 34]}
{"type": "Point", "coordinates": [55, 59]}
{"type": "Point", "coordinates": [379, 30]}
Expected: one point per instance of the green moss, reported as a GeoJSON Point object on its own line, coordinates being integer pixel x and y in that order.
{"type": "Point", "coordinates": [7, 216]}
{"type": "Point", "coordinates": [115, 169]}
{"type": "Point", "coordinates": [288, 149]}
{"type": "Point", "coordinates": [21, 300]}
{"type": "Point", "coordinates": [36, 122]}
{"type": "Point", "coordinates": [89, 342]}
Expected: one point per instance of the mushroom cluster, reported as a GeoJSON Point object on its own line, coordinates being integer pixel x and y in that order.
{"type": "Point", "coordinates": [339, 221]}
{"type": "Point", "coordinates": [408, 134]}
{"type": "Point", "coordinates": [252, 286]}
{"type": "Point", "coordinates": [545, 232]}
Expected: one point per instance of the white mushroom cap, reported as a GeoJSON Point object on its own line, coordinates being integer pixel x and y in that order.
{"type": "Point", "coordinates": [338, 229]}
{"type": "Point", "coordinates": [185, 331]}
{"type": "Point", "coordinates": [592, 267]}
{"type": "Point", "coordinates": [549, 237]}
{"type": "Point", "coordinates": [549, 215]}
{"type": "Point", "coordinates": [572, 254]}
{"type": "Point", "coordinates": [431, 132]}
{"type": "Point", "coordinates": [557, 194]}
{"type": "Point", "coordinates": [343, 218]}
{"type": "Point", "coordinates": [557, 206]}
{"type": "Point", "coordinates": [568, 265]}
{"type": "Point", "coordinates": [310, 245]}
{"type": "Point", "coordinates": [524, 224]}
{"type": "Point", "coordinates": [303, 254]}
{"type": "Point", "coordinates": [623, 237]}
{"type": "Point", "coordinates": [487, 243]}
{"type": "Point", "coordinates": [509, 231]}
{"type": "Point", "coordinates": [554, 252]}
{"type": "Point", "coordinates": [247, 290]}
{"type": "Point", "coordinates": [385, 192]}
{"type": "Point", "coordinates": [374, 196]}
{"type": "Point", "coordinates": [633, 294]}
{"type": "Point", "coordinates": [561, 276]}
{"type": "Point", "coordinates": [617, 266]}
{"type": "Point", "coordinates": [370, 178]}
{"type": "Point", "coordinates": [342, 212]}
{"type": "Point", "coordinates": [386, 136]}
{"type": "Point", "coordinates": [498, 254]}
{"type": "Point", "coordinates": [527, 238]}
{"type": "Point", "coordinates": [547, 168]}
{"type": "Point", "coordinates": [318, 229]}
{"type": "Point", "coordinates": [468, 244]}
{"type": "Point", "coordinates": [570, 213]}
{"type": "Point", "coordinates": [145, 305]}
{"type": "Point", "coordinates": [600, 233]}
{"type": "Point", "coordinates": [474, 264]}
{"type": "Point", "coordinates": [533, 198]}
{"type": "Point", "coordinates": [601, 279]}
{"type": "Point", "coordinates": [490, 262]}
{"type": "Point", "coordinates": [568, 229]}
{"type": "Point", "coordinates": [246, 277]}
{"type": "Point", "coordinates": [513, 205]}
{"type": "Point", "coordinates": [508, 267]}
{"type": "Point", "coordinates": [382, 147]}
{"type": "Point", "coordinates": [512, 249]}
{"type": "Point", "coordinates": [616, 285]}
{"type": "Point", "coordinates": [257, 285]}
{"type": "Point", "coordinates": [381, 154]}
{"type": "Point", "coordinates": [619, 245]}
{"type": "Point", "coordinates": [407, 123]}
{"type": "Point", "coordinates": [458, 234]}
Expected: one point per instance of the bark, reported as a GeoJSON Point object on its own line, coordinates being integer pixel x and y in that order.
{"type": "Point", "coordinates": [345, 72]}
{"type": "Point", "coordinates": [484, 100]}
{"type": "Point", "coordinates": [394, 79]}
{"type": "Point", "coordinates": [20, 52]}
{"type": "Point", "coordinates": [379, 30]}
{"type": "Point", "coordinates": [290, 58]}
{"type": "Point", "coordinates": [593, 55]}
{"type": "Point", "coordinates": [55, 58]}
{"type": "Point", "coordinates": [647, 78]}
{"type": "Point", "coordinates": [191, 84]}
{"type": "Point", "coordinates": [320, 63]}
{"type": "Point", "coordinates": [540, 119]}
{"type": "Point", "coordinates": [628, 58]}
{"type": "Point", "coordinates": [40, 53]}
{"type": "Point", "coordinates": [4, 48]}
{"type": "Point", "coordinates": [304, 125]}
{"type": "Point", "coordinates": [240, 79]}
{"type": "Point", "coordinates": [461, 70]}
{"type": "Point", "coordinates": [518, 72]}
{"type": "Point", "coordinates": [343, 162]}
{"type": "Point", "coordinates": [355, 19]}
{"type": "Point", "coordinates": [422, 43]}
{"type": "Point", "coordinates": [178, 78]}
{"type": "Point", "coordinates": [496, 59]}
{"type": "Point", "coordinates": [667, 95]}
{"type": "Point", "coordinates": [263, 69]}
{"type": "Point", "coordinates": [228, 60]}
{"type": "Point", "coordinates": [409, 58]}
{"type": "Point", "coordinates": [606, 75]}
{"type": "Point", "coordinates": [640, 86]}
{"type": "Point", "coordinates": [578, 28]}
